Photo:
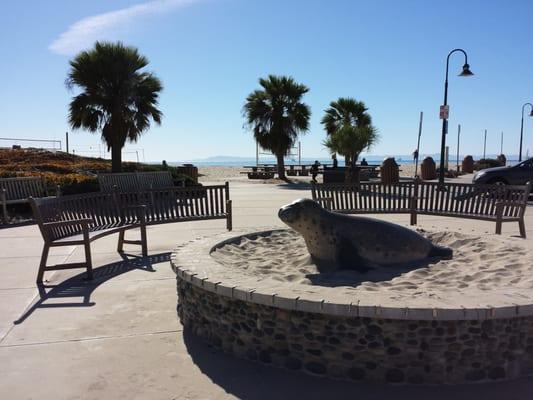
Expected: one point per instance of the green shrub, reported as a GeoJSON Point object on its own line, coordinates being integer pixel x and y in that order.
{"type": "Point", "coordinates": [487, 163]}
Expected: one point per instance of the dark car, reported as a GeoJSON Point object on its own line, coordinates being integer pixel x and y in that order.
{"type": "Point", "coordinates": [518, 174]}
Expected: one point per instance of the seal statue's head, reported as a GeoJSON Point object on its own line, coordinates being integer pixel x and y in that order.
{"type": "Point", "coordinates": [298, 212]}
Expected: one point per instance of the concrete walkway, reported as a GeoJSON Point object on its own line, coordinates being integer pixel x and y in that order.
{"type": "Point", "coordinates": [118, 336]}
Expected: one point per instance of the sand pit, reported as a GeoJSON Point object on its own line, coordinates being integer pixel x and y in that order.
{"type": "Point", "coordinates": [259, 296]}
{"type": "Point", "coordinates": [481, 264]}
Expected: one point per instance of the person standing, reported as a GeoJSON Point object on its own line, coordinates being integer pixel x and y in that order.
{"type": "Point", "coordinates": [335, 162]}
{"type": "Point", "coordinates": [314, 170]}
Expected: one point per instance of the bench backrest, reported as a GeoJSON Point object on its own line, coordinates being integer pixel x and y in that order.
{"type": "Point", "coordinates": [422, 197]}
{"type": "Point", "coordinates": [471, 199]}
{"type": "Point", "coordinates": [108, 210]}
{"type": "Point", "coordinates": [23, 187]}
{"type": "Point", "coordinates": [135, 181]}
{"type": "Point", "coordinates": [181, 203]}
{"type": "Point", "coordinates": [364, 197]}
{"type": "Point", "coordinates": [101, 208]}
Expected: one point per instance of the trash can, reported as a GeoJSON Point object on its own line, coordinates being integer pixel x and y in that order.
{"type": "Point", "coordinates": [428, 169]}
{"type": "Point", "coordinates": [189, 170]}
{"type": "Point", "coordinates": [389, 171]}
{"type": "Point", "coordinates": [467, 165]}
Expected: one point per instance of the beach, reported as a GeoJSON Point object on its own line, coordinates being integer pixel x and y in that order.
{"type": "Point", "coordinates": [235, 173]}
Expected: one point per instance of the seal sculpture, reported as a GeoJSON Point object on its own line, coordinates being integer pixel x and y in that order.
{"type": "Point", "coordinates": [339, 241]}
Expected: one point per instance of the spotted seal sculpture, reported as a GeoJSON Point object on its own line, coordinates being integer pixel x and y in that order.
{"type": "Point", "coordinates": [339, 241]}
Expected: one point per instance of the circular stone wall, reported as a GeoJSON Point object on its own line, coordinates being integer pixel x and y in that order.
{"type": "Point", "coordinates": [367, 335]}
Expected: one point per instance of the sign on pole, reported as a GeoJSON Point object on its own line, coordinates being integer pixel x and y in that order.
{"type": "Point", "coordinates": [444, 112]}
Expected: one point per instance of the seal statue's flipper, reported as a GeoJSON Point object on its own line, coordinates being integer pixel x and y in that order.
{"type": "Point", "coordinates": [441, 252]}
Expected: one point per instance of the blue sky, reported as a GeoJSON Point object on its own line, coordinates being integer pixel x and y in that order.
{"type": "Point", "coordinates": [210, 53]}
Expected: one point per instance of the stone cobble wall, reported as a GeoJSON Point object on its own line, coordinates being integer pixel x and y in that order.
{"type": "Point", "coordinates": [358, 348]}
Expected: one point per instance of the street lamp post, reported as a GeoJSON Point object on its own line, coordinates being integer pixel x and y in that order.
{"type": "Point", "coordinates": [522, 128]}
{"type": "Point", "coordinates": [466, 72]}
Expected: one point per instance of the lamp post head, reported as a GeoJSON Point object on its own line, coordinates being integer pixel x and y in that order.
{"type": "Point", "coordinates": [466, 71]}
{"type": "Point", "coordinates": [531, 113]}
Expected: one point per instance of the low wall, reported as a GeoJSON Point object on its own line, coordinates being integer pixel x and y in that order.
{"type": "Point", "coordinates": [360, 348]}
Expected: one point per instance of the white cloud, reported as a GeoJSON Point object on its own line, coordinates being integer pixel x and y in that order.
{"type": "Point", "coordinates": [83, 33]}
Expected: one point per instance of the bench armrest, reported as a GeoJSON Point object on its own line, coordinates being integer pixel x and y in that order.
{"type": "Point", "coordinates": [501, 204]}
{"type": "Point", "coordinates": [510, 203]}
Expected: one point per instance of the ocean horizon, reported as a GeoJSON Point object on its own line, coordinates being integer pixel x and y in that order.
{"type": "Point", "coordinates": [223, 161]}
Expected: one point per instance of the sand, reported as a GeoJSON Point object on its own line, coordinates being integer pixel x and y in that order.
{"type": "Point", "coordinates": [235, 174]}
{"type": "Point", "coordinates": [479, 265]}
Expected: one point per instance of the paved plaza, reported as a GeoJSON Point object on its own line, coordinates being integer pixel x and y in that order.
{"type": "Point", "coordinates": [119, 337]}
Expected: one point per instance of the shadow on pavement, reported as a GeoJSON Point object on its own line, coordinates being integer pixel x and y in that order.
{"type": "Point", "coordinates": [247, 380]}
{"type": "Point", "coordinates": [79, 287]}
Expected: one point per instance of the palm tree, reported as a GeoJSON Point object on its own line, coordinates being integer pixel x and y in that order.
{"type": "Point", "coordinates": [276, 115]}
{"type": "Point", "coordinates": [350, 141]}
{"type": "Point", "coordinates": [343, 116]}
{"type": "Point", "coordinates": [116, 98]}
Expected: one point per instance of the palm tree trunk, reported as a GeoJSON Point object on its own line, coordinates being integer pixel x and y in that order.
{"type": "Point", "coordinates": [116, 158]}
{"type": "Point", "coordinates": [281, 166]}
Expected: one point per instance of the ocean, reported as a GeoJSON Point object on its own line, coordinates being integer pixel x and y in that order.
{"type": "Point", "coordinates": [240, 162]}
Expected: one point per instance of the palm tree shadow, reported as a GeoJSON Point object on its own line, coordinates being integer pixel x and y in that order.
{"type": "Point", "coordinates": [79, 287]}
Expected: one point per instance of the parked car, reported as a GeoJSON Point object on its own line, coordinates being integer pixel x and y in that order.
{"type": "Point", "coordinates": [518, 174]}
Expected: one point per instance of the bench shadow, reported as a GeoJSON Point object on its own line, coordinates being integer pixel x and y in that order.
{"type": "Point", "coordinates": [249, 380]}
{"type": "Point", "coordinates": [79, 287]}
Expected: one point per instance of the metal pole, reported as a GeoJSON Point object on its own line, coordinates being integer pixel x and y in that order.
{"type": "Point", "coordinates": [66, 135]}
{"type": "Point", "coordinates": [458, 142]}
{"type": "Point", "coordinates": [418, 142]}
{"type": "Point", "coordinates": [299, 153]}
{"type": "Point", "coordinates": [501, 144]}
{"type": "Point", "coordinates": [485, 144]}
{"type": "Point", "coordinates": [522, 129]}
{"type": "Point", "coordinates": [445, 120]}
{"type": "Point", "coordinates": [256, 154]}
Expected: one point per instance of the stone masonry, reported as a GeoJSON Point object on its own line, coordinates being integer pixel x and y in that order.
{"type": "Point", "coordinates": [361, 348]}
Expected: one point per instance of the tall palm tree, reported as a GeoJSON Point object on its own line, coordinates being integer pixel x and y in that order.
{"type": "Point", "coordinates": [343, 113]}
{"type": "Point", "coordinates": [276, 115]}
{"type": "Point", "coordinates": [350, 141]}
{"type": "Point", "coordinates": [116, 97]}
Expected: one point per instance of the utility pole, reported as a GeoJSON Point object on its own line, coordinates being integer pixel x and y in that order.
{"type": "Point", "coordinates": [66, 135]}
{"type": "Point", "coordinates": [458, 142]}
{"type": "Point", "coordinates": [485, 145]}
{"type": "Point", "coordinates": [418, 143]}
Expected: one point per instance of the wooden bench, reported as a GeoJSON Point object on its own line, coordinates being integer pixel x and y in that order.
{"type": "Point", "coordinates": [81, 219]}
{"type": "Point", "coordinates": [19, 190]}
{"type": "Point", "coordinates": [136, 181]}
{"type": "Point", "coordinates": [497, 203]}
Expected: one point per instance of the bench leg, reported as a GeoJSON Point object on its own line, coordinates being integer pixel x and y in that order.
{"type": "Point", "coordinates": [498, 227]}
{"type": "Point", "coordinates": [522, 227]}
{"type": "Point", "coordinates": [4, 212]}
{"type": "Point", "coordinates": [88, 258]}
{"type": "Point", "coordinates": [144, 241]}
{"type": "Point", "coordinates": [120, 246]}
{"type": "Point", "coordinates": [229, 218]}
{"type": "Point", "coordinates": [42, 265]}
